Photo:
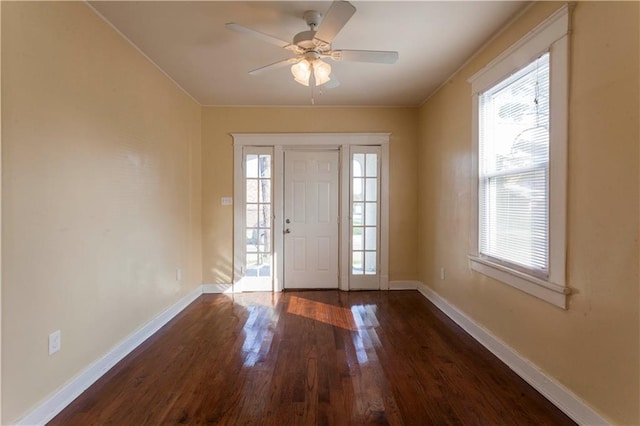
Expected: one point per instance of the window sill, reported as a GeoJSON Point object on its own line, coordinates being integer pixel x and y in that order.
{"type": "Point", "coordinates": [549, 292]}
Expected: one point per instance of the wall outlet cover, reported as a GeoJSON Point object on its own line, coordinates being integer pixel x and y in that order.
{"type": "Point", "coordinates": [55, 342]}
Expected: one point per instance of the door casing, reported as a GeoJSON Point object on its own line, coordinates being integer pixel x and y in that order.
{"type": "Point", "coordinates": [312, 141]}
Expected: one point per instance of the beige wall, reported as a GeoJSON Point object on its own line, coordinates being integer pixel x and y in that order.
{"type": "Point", "coordinates": [592, 348]}
{"type": "Point", "coordinates": [217, 161]}
{"type": "Point", "coordinates": [100, 195]}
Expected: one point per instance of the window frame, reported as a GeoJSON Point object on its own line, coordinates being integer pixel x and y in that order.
{"type": "Point", "coordinates": [250, 283]}
{"type": "Point", "coordinates": [550, 36]}
{"type": "Point", "coordinates": [365, 281]}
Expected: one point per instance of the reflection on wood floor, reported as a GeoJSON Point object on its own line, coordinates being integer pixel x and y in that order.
{"type": "Point", "coordinates": [314, 357]}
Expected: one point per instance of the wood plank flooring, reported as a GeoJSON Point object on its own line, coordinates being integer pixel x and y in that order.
{"type": "Point", "coordinates": [307, 358]}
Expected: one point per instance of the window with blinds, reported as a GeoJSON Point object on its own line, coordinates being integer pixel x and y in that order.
{"type": "Point", "coordinates": [513, 168]}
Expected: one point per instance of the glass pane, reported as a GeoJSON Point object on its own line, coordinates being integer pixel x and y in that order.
{"type": "Point", "coordinates": [264, 265]}
{"type": "Point", "coordinates": [265, 190]}
{"type": "Point", "coordinates": [370, 263]}
{"type": "Point", "coordinates": [370, 238]}
{"type": "Point", "coordinates": [252, 240]}
{"type": "Point", "coordinates": [264, 166]}
{"type": "Point", "coordinates": [515, 120]}
{"type": "Point", "coordinates": [251, 166]}
{"type": "Point", "coordinates": [252, 191]}
{"type": "Point", "coordinates": [264, 241]}
{"type": "Point", "coordinates": [358, 165]}
{"type": "Point", "coordinates": [372, 165]}
{"type": "Point", "coordinates": [358, 189]}
{"type": "Point", "coordinates": [264, 214]}
{"type": "Point", "coordinates": [358, 210]}
{"type": "Point", "coordinates": [251, 268]}
{"type": "Point", "coordinates": [513, 214]}
{"type": "Point", "coordinates": [358, 239]}
{"type": "Point", "coordinates": [252, 260]}
{"type": "Point", "coordinates": [371, 214]}
{"type": "Point", "coordinates": [356, 265]}
{"type": "Point", "coordinates": [372, 190]}
{"type": "Point", "coordinates": [252, 216]}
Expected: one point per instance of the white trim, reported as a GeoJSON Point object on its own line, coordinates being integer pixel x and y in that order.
{"type": "Point", "coordinates": [345, 221]}
{"type": "Point", "coordinates": [53, 405]}
{"type": "Point", "coordinates": [547, 291]}
{"type": "Point", "coordinates": [217, 288]}
{"type": "Point", "coordinates": [277, 172]}
{"type": "Point", "coordinates": [319, 139]}
{"type": "Point", "coordinates": [238, 212]}
{"type": "Point", "coordinates": [558, 161]}
{"type": "Point", "coordinates": [556, 393]}
{"type": "Point", "coordinates": [403, 285]}
{"type": "Point", "coordinates": [384, 218]}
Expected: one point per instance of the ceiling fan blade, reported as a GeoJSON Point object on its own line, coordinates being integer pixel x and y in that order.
{"type": "Point", "coordinates": [274, 66]}
{"type": "Point", "coordinates": [376, 56]}
{"type": "Point", "coordinates": [257, 34]}
{"type": "Point", "coordinates": [331, 84]}
{"type": "Point", "coordinates": [336, 17]}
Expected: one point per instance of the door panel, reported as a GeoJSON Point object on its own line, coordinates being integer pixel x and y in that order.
{"type": "Point", "coordinates": [311, 217]}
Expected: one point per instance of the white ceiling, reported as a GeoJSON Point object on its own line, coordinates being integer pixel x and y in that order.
{"type": "Point", "coordinates": [189, 41]}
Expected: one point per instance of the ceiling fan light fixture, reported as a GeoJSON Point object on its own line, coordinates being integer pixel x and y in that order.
{"type": "Point", "coordinates": [321, 71]}
{"type": "Point", "coordinates": [301, 72]}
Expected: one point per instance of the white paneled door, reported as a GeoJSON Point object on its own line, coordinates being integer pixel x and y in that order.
{"type": "Point", "coordinates": [311, 219]}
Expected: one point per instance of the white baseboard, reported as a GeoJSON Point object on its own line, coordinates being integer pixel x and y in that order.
{"type": "Point", "coordinates": [53, 405]}
{"type": "Point", "coordinates": [217, 288]}
{"type": "Point", "coordinates": [403, 285]}
{"type": "Point", "coordinates": [559, 395]}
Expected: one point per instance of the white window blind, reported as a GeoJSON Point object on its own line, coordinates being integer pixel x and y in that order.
{"type": "Point", "coordinates": [514, 170]}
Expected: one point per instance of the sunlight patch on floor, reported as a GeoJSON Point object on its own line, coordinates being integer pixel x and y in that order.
{"type": "Point", "coordinates": [336, 316]}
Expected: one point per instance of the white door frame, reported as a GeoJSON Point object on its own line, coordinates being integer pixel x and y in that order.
{"type": "Point", "coordinates": [281, 141]}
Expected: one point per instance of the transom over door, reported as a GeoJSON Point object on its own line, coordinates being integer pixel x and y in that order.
{"type": "Point", "coordinates": [311, 219]}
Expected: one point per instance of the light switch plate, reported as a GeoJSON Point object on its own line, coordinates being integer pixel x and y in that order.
{"type": "Point", "coordinates": [55, 342]}
{"type": "Point", "coordinates": [226, 201]}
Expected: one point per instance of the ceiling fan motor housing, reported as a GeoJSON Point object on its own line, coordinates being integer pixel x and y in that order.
{"type": "Point", "coordinates": [304, 39]}
{"type": "Point", "coordinates": [312, 18]}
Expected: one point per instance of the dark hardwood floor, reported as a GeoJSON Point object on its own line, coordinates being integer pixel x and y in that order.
{"type": "Point", "coordinates": [315, 357]}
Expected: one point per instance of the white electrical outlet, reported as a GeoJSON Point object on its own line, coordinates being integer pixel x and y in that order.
{"type": "Point", "coordinates": [178, 274]}
{"type": "Point", "coordinates": [55, 342]}
{"type": "Point", "coordinates": [442, 273]}
{"type": "Point", "coordinates": [226, 201]}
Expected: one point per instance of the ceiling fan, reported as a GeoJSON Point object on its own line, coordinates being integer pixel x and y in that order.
{"type": "Point", "coordinates": [312, 46]}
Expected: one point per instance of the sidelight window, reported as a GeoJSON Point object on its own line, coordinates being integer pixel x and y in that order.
{"type": "Point", "coordinates": [258, 214]}
{"type": "Point", "coordinates": [365, 210]}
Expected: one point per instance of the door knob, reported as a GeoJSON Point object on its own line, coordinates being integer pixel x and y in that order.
{"type": "Point", "coordinates": [287, 221]}
{"type": "Point", "coordinates": [287, 231]}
